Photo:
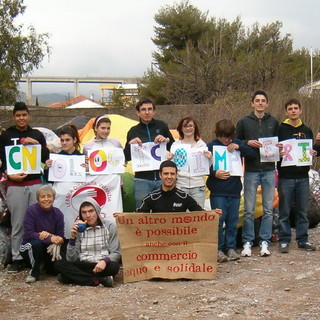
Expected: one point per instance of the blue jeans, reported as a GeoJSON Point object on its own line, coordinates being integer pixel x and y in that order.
{"type": "Point", "coordinates": [251, 182]}
{"type": "Point", "coordinates": [143, 187]}
{"type": "Point", "coordinates": [227, 236]}
{"type": "Point", "coordinates": [197, 193]}
{"type": "Point", "coordinates": [293, 191]}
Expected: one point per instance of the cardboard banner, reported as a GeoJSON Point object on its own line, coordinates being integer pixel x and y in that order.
{"type": "Point", "coordinates": [297, 152]}
{"type": "Point", "coordinates": [67, 168]}
{"type": "Point", "coordinates": [148, 156]}
{"type": "Point", "coordinates": [168, 245]}
{"type": "Point", "coordinates": [106, 161]}
{"type": "Point", "coordinates": [269, 152]}
{"type": "Point", "coordinates": [225, 160]}
{"type": "Point", "coordinates": [190, 159]}
{"type": "Point", "coordinates": [23, 159]}
{"type": "Point", "coordinates": [106, 190]}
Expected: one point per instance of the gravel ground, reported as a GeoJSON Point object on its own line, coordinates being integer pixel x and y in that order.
{"type": "Point", "coordinates": [282, 286]}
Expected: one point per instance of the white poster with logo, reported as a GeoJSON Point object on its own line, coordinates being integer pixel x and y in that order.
{"type": "Point", "coordinates": [105, 189]}
{"type": "Point", "coordinates": [269, 152]}
{"type": "Point", "coordinates": [148, 156]}
{"type": "Point", "coordinates": [67, 168]}
{"type": "Point", "coordinates": [106, 161]}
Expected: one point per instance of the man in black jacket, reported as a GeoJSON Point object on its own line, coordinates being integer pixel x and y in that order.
{"type": "Point", "coordinates": [168, 198]}
{"type": "Point", "coordinates": [250, 128]}
{"type": "Point", "coordinates": [147, 130]}
{"type": "Point", "coordinates": [21, 187]}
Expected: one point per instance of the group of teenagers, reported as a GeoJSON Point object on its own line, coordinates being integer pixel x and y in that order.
{"type": "Point", "coordinates": [91, 256]}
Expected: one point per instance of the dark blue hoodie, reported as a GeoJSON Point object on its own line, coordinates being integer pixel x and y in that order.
{"type": "Point", "coordinates": [230, 187]}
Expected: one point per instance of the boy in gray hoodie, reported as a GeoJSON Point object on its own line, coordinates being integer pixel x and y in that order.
{"type": "Point", "coordinates": [93, 252]}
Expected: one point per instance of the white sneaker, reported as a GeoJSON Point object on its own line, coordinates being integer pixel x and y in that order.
{"type": "Point", "coordinates": [264, 252]}
{"type": "Point", "coordinates": [246, 252]}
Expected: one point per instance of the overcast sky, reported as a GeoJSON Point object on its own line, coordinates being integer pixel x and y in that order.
{"type": "Point", "coordinates": [113, 37]}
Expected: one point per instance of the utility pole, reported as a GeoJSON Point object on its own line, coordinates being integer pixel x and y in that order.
{"type": "Point", "coordinates": [311, 71]}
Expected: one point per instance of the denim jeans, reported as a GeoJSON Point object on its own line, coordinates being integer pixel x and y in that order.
{"type": "Point", "coordinates": [143, 187]}
{"type": "Point", "coordinates": [197, 193]}
{"type": "Point", "coordinates": [293, 191]}
{"type": "Point", "coordinates": [251, 182]}
{"type": "Point", "coordinates": [227, 235]}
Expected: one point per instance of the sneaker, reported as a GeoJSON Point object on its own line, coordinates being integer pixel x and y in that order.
{"type": "Point", "coordinates": [107, 281]}
{"type": "Point", "coordinates": [31, 279]}
{"type": "Point", "coordinates": [264, 252]}
{"type": "Point", "coordinates": [232, 255]}
{"type": "Point", "coordinates": [246, 252]}
{"type": "Point", "coordinates": [222, 257]}
{"type": "Point", "coordinates": [15, 266]}
{"type": "Point", "coordinates": [284, 248]}
{"type": "Point", "coordinates": [307, 246]}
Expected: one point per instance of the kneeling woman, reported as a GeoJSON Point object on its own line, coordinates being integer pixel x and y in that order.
{"type": "Point", "coordinates": [43, 226]}
{"type": "Point", "coordinates": [93, 252]}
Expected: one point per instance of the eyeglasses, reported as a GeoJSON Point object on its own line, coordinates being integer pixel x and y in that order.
{"type": "Point", "coordinates": [146, 110]}
{"type": "Point", "coordinates": [190, 126]}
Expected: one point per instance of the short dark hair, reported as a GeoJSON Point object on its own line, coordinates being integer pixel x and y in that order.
{"type": "Point", "coordinates": [167, 163]}
{"type": "Point", "coordinates": [20, 106]}
{"type": "Point", "coordinates": [292, 101]}
{"type": "Point", "coordinates": [72, 131]}
{"type": "Point", "coordinates": [261, 92]}
{"type": "Point", "coordinates": [144, 100]}
{"type": "Point", "coordinates": [185, 121]}
{"type": "Point", "coordinates": [225, 128]}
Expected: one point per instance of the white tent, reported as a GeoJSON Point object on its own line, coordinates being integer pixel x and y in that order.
{"type": "Point", "coordinates": [85, 104]}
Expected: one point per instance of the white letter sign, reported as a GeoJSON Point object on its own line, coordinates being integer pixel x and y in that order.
{"type": "Point", "coordinates": [148, 156]}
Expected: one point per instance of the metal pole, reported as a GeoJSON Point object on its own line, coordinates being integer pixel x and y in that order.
{"type": "Point", "coordinates": [311, 71]}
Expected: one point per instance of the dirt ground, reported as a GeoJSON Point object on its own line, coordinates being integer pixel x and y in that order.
{"type": "Point", "coordinates": [282, 286]}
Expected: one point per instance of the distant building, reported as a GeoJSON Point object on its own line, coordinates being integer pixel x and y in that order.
{"type": "Point", "coordinates": [307, 90]}
{"type": "Point", "coordinates": [76, 102]}
{"type": "Point", "coordinates": [127, 92]}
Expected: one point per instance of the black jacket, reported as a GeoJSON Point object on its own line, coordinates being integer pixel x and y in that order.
{"type": "Point", "coordinates": [147, 133]}
{"type": "Point", "coordinates": [251, 127]}
{"type": "Point", "coordinates": [174, 200]}
{"type": "Point", "coordinates": [286, 131]}
{"type": "Point", "coordinates": [12, 132]}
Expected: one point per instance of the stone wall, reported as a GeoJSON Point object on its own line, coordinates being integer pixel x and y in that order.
{"type": "Point", "coordinates": [53, 118]}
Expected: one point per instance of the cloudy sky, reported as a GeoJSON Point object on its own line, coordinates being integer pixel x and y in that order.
{"type": "Point", "coordinates": [113, 38]}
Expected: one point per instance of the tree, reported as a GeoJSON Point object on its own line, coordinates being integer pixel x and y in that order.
{"type": "Point", "coordinates": [177, 25]}
{"type": "Point", "coordinates": [20, 53]}
{"type": "Point", "coordinates": [200, 59]}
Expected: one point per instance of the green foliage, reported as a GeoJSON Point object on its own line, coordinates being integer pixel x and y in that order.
{"type": "Point", "coordinates": [201, 59]}
{"type": "Point", "coordinates": [177, 25]}
{"type": "Point", "coordinates": [119, 98]}
{"type": "Point", "coordinates": [154, 88]}
{"type": "Point", "coordinates": [20, 53]}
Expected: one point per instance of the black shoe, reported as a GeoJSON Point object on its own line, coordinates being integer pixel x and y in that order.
{"type": "Point", "coordinates": [15, 267]}
{"type": "Point", "coordinates": [307, 246]}
{"type": "Point", "coordinates": [62, 279]}
{"type": "Point", "coordinates": [107, 281]}
{"type": "Point", "coordinates": [284, 248]}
